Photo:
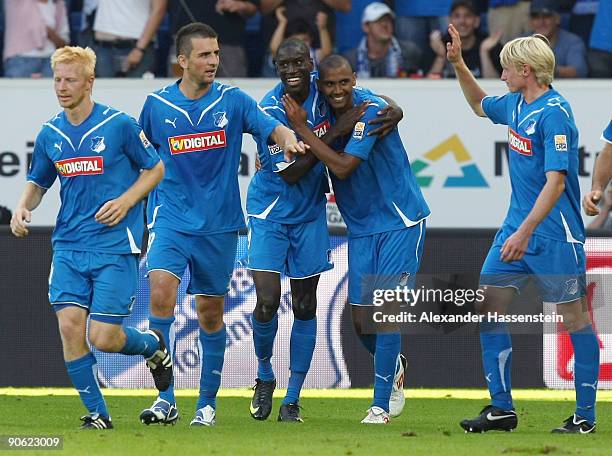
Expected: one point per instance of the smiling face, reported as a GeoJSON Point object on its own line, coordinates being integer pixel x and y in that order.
{"type": "Point", "coordinates": [381, 29]}
{"type": "Point", "coordinates": [201, 65]}
{"type": "Point", "coordinates": [465, 21]}
{"type": "Point", "coordinates": [336, 84]}
{"type": "Point", "coordinates": [293, 64]}
{"type": "Point", "coordinates": [72, 85]}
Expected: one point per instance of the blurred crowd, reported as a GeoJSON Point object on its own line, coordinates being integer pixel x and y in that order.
{"type": "Point", "coordinates": [394, 38]}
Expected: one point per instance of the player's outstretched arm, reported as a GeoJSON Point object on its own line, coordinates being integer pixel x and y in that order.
{"type": "Point", "coordinates": [285, 138]}
{"type": "Point", "coordinates": [515, 246]}
{"type": "Point", "coordinates": [30, 198]}
{"type": "Point", "coordinates": [472, 92]}
{"type": "Point", "coordinates": [113, 211]}
{"type": "Point", "coordinates": [341, 164]}
{"type": "Point", "coordinates": [602, 173]}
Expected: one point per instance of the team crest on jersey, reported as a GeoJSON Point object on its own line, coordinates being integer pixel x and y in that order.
{"type": "Point", "coordinates": [220, 119]}
{"type": "Point", "coordinates": [321, 129]}
{"type": "Point", "coordinates": [274, 149]}
{"type": "Point", "coordinates": [80, 166]}
{"type": "Point", "coordinates": [519, 144]}
{"type": "Point", "coordinates": [561, 143]}
{"type": "Point", "coordinates": [358, 130]}
{"type": "Point", "coordinates": [143, 139]}
{"type": "Point", "coordinates": [530, 129]}
{"type": "Point", "coordinates": [97, 144]}
{"type": "Point", "coordinates": [197, 142]}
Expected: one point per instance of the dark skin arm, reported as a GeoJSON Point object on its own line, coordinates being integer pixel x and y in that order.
{"type": "Point", "coordinates": [388, 118]}
{"type": "Point", "coordinates": [304, 163]}
{"type": "Point", "coordinates": [339, 163]}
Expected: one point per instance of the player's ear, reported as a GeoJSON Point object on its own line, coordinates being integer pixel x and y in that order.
{"type": "Point", "coordinates": [354, 79]}
{"type": "Point", "coordinates": [182, 61]}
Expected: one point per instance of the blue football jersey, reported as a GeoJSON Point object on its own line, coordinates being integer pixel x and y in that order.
{"type": "Point", "coordinates": [269, 196]}
{"type": "Point", "coordinates": [382, 193]}
{"type": "Point", "coordinates": [200, 143]}
{"type": "Point", "coordinates": [542, 137]}
{"type": "Point", "coordinates": [607, 134]}
{"type": "Point", "coordinates": [96, 161]}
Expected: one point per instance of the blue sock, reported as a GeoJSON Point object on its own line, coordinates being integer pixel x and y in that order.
{"type": "Point", "coordinates": [165, 326]}
{"type": "Point", "coordinates": [263, 339]}
{"type": "Point", "coordinates": [139, 343]}
{"type": "Point", "coordinates": [369, 342]}
{"type": "Point", "coordinates": [83, 374]}
{"type": "Point", "coordinates": [212, 352]}
{"type": "Point", "coordinates": [388, 346]}
{"type": "Point", "coordinates": [586, 371]}
{"type": "Point", "coordinates": [303, 339]}
{"type": "Point", "coordinates": [496, 346]}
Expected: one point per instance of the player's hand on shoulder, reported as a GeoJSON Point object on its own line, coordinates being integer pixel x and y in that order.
{"type": "Point", "coordinates": [296, 115]}
{"type": "Point", "coordinates": [590, 202]}
{"type": "Point", "coordinates": [112, 212]}
{"type": "Point", "coordinates": [19, 222]}
{"type": "Point", "coordinates": [388, 118]}
{"type": "Point", "coordinates": [453, 48]}
{"type": "Point", "coordinates": [346, 122]}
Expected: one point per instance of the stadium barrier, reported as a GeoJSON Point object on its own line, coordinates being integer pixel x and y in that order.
{"type": "Point", "coordinates": [456, 156]}
{"type": "Point", "coordinates": [439, 356]}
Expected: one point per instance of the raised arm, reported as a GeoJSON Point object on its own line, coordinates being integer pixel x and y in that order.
{"type": "Point", "coordinates": [472, 92]}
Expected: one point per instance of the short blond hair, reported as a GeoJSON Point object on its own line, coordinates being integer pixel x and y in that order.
{"type": "Point", "coordinates": [534, 51]}
{"type": "Point", "coordinates": [85, 57]}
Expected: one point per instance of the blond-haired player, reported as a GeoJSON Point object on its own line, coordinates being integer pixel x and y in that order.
{"type": "Point", "coordinates": [105, 166]}
{"type": "Point", "coordinates": [542, 236]}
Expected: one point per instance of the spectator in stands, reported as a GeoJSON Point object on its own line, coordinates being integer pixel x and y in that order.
{"type": "Point", "coordinates": [481, 53]}
{"type": "Point", "coordinates": [569, 49]}
{"type": "Point", "coordinates": [300, 29]}
{"type": "Point", "coordinates": [34, 29]}
{"type": "Point", "coordinates": [582, 18]}
{"type": "Point", "coordinates": [228, 18]}
{"type": "Point", "coordinates": [417, 19]}
{"type": "Point", "coordinates": [348, 25]}
{"type": "Point", "coordinates": [600, 47]}
{"type": "Point", "coordinates": [380, 54]}
{"type": "Point", "coordinates": [123, 36]}
{"type": "Point", "coordinates": [511, 16]}
{"type": "Point", "coordinates": [302, 9]}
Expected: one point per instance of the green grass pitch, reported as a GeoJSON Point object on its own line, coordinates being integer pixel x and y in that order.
{"type": "Point", "coordinates": [428, 425]}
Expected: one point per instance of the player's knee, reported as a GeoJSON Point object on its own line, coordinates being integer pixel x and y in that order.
{"type": "Point", "coordinates": [70, 329]}
{"type": "Point", "coordinates": [266, 307]}
{"type": "Point", "coordinates": [480, 307]}
{"type": "Point", "coordinates": [163, 301]}
{"type": "Point", "coordinates": [305, 308]}
{"type": "Point", "coordinates": [210, 313]}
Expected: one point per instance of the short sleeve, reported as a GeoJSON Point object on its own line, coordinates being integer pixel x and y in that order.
{"type": "Point", "coordinates": [137, 146]}
{"type": "Point", "coordinates": [607, 134]}
{"type": "Point", "coordinates": [360, 144]}
{"type": "Point", "coordinates": [145, 120]}
{"type": "Point", "coordinates": [496, 108]}
{"type": "Point", "coordinates": [42, 170]}
{"type": "Point", "coordinates": [257, 122]}
{"type": "Point", "coordinates": [557, 134]}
